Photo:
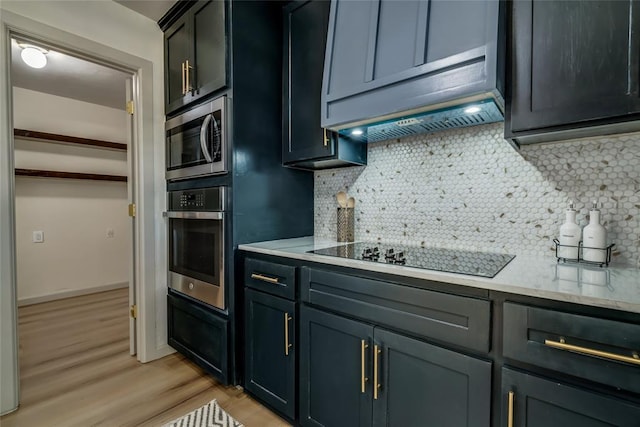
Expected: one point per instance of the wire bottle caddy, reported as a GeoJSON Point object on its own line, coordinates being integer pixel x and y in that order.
{"type": "Point", "coordinates": [570, 253]}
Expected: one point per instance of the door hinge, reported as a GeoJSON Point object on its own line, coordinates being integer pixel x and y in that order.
{"type": "Point", "coordinates": [130, 107]}
{"type": "Point", "coordinates": [132, 210]}
{"type": "Point", "coordinates": [134, 311]}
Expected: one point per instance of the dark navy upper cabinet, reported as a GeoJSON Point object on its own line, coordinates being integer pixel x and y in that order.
{"type": "Point", "coordinates": [388, 58]}
{"type": "Point", "coordinates": [305, 144]}
{"type": "Point", "coordinates": [575, 69]}
{"type": "Point", "coordinates": [195, 51]}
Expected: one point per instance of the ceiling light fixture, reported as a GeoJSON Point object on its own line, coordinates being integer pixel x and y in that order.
{"type": "Point", "coordinates": [472, 110]}
{"type": "Point", "coordinates": [33, 56]}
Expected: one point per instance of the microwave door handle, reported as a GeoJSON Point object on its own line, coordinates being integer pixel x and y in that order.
{"type": "Point", "coordinates": [203, 137]}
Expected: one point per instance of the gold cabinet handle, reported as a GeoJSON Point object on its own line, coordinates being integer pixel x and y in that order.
{"type": "Point", "coordinates": [267, 279]}
{"type": "Point", "coordinates": [287, 345]}
{"type": "Point", "coordinates": [326, 139]}
{"type": "Point", "coordinates": [187, 67]}
{"type": "Point", "coordinates": [364, 379]}
{"type": "Point", "coordinates": [510, 409]}
{"type": "Point", "coordinates": [182, 68]}
{"type": "Point", "coordinates": [376, 380]}
{"type": "Point", "coordinates": [633, 359]}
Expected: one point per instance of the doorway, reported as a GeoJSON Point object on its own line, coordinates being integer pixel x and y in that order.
{"type": "Point", "coordinates": [73, 175]}
{"type": "Point", "coordinates": [151, 343]}
{"type": "Point", "coordinates": [73, 162]}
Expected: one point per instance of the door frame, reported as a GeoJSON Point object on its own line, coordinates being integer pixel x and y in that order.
{"type": "Point", "coordinates": [148, 345]}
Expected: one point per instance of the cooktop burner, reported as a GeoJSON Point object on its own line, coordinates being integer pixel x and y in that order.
{"type": "Point", "coordinates": [481, 264]}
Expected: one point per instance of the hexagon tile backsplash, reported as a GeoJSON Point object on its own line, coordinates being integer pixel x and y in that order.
{"type": "Point", "coordinates": [469, 189]}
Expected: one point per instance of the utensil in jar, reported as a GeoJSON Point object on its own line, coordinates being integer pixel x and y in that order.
{"type": "Point", "coordinates": [341, 197]}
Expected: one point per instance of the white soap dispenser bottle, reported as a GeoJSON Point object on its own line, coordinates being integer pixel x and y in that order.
{"type": "Point", "coordinates": [570, 234]}
{"type": "Point", "coordinates": [594, 237]}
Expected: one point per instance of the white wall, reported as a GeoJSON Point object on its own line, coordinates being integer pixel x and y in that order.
{"type": "Point", "coordinates": [77, 255]}
{"type": "Point", "coordinates": [114, 32]}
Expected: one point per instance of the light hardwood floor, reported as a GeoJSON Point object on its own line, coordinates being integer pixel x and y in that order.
{"type": "Point", "coordinates": [75, 370]}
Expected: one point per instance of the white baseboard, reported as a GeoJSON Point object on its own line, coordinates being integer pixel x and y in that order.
{"type": "Point", "coordinates": [72, 293]}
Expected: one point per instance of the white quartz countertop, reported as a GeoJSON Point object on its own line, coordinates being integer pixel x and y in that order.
{"type": "Point", "coordinates": [542, 277]}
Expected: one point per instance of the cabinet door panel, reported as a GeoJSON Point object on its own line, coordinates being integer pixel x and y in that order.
{"type": "Point", "coordinates": [574, 61]}
{"type": "Point", "coordinates": [427, 385]}
{"type": "Point", "coordinates": [270, 369]}
{"type": "Point", "coordinates": [349, 49]}
{"type": "Point", "coordinates": [330, 370]}
{"type": "Point", "coordinates": [401, 36]}
{"type": "Point", "coordinates": [199, 334]}
{"type": "Point", "coordinates": [543, 403]}
{"type": "Point", "coordinates": [209, 47]}
{"type": "Point", "coordinates": [305, 39]}
{"type": "Point", "coordinates": [455, 27]}
{"type": "Point", "coordinates": [177, 51]}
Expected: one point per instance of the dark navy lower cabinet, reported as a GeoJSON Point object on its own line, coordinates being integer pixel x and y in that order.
{"type": "Point", "coordinates": [335, 370]}
{"type": "Point", "coordinates": [356, 374]}
{"type": "Point", "coordinates": [425, 385]}
{"type": "Point", "coordinates": [200, 334]}
{"type": "Point", "coordinates": [384, 351]}
{"type": "Point", "coordinates": [270, 352]}
{"type": "Point", "coordinates": [532, 401]}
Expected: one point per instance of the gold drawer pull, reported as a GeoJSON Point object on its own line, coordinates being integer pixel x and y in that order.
{"type": "Point", "coordinates": [510, 410]}
{"type": "Point", "coordinates": [634, 359]}
{"type": "Point", "coordinates": [265, 278]}
{"type": "Point", "coordinates": [325, 138]}
{"type": "Point", "coordinates": [287, 345]}
{"type": "Point", "coordinates": [187, 67]}
{"type": "Point", "coordinates": [363, 347]}
{"type": "Point", "coordinates": [376, 380]}
{"type": "Point", "coordinates": [184, 91]}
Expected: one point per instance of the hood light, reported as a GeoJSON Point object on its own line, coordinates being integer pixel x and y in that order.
{"type": "Point", "coordinates": [472, 110]}
{"type": "Point", "coordinates": [357, 132]}
{"type": "Point", "coordinates": [33, 56]}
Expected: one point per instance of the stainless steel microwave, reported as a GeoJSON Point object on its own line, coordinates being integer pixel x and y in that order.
{"type": "Point", "coordinates": [196, 141]}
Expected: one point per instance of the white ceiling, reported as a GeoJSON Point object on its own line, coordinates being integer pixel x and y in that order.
{"type": "Point", "coordinates": [76, 78]}
{"type": "Point", "coordinates": [70, 77]}
{"type": "Point", "coordinates": [153, 9]}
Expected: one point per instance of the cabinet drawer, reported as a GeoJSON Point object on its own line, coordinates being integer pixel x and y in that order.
{"type": "Point", "coordinates": [198, 334]}
{"type": "Point", "coordinates": [458, 320]}
{"type": "Point", "coordinates": [596, 349]}
{"type": "Point", "coordinates": [270, 277]}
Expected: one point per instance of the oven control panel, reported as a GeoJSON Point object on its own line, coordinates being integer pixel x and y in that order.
{"type": "Point", "coordinates": [199, 200]}
{"type": "Point", "coordinates": [192, 200]}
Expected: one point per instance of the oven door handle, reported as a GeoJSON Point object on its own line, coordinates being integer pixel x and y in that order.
{"type": "Point", "coordinates": [203, 137]}
{"type": "Point", "coordinates": [193, 215]}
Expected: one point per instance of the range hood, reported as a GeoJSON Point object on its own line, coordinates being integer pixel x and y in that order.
{"type": "Point", "coordinates": [464, 113]}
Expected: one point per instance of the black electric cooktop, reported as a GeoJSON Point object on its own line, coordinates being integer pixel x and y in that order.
{"type": "Point", "coordinates": [483, 264]}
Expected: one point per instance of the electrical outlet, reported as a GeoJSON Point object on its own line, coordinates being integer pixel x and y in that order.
{"type": "Point", "coordinates": [38, 237]}
{"type": "Point", "coordinates": [111, 233]}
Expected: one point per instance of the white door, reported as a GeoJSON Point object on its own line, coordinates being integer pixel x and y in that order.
{"type": "Point", "coordinates": [131, 197]}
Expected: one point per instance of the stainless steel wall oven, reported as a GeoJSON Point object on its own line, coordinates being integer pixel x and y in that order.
{"type": "Point", "coordinates": [196, 244]}
{"type": "Point", "coordinates": [196, 141]}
